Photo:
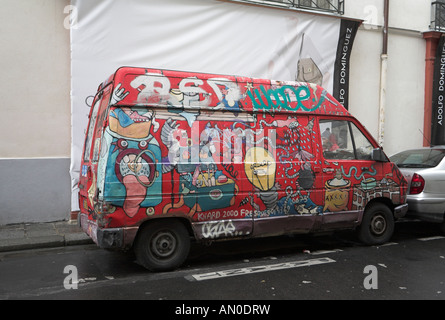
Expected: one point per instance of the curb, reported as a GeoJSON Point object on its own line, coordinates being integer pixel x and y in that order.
{"type": "Point", "coordinates": [44, 242]}
{"type": "Point", "coordinates": [37, 236]}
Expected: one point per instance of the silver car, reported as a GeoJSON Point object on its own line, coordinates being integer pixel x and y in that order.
{"type": "Point", "coordinates": [424, 169]}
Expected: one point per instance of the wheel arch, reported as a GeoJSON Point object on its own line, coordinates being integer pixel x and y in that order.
{"type": "Point", "coordinates": [386, 201]}
{"type": "Point", "coordinates": [184, 221]}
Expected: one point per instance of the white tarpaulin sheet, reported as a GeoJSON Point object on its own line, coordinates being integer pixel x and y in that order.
{"type": "Point", "coordinates": [195, 35]}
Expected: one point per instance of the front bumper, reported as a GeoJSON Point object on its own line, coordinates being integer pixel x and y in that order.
{"type": "Point", "coordinates": [108, 238]}
{"type": "Point", "coordinates": [426, 208]}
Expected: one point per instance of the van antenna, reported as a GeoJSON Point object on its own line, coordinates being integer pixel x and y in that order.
{"type": "Point", "coordinates": [429, 142]}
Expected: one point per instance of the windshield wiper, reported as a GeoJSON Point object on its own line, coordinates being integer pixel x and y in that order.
{"type": "Point", "coordinates": [414, 165]}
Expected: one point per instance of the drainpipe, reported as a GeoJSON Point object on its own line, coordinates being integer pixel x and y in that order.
{"type": "Point", "coordinates": [383, 75]}
{"type": "Point", "coordinates": [432, 40]}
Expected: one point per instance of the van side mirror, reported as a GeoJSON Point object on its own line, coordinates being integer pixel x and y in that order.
{"type": "Point", "coordinates": [379, 155]}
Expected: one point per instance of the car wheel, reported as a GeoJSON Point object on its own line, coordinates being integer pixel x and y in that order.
{"type": "Point", "coordinates": [377, 226]}
{"type": "Point", "coordinates": [162, 245]}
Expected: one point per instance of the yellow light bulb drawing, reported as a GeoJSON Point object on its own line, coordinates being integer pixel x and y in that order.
{"type": "Point", "coordinates": [260, 168]}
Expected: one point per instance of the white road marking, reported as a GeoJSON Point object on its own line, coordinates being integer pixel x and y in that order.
{"type": "Point", "coordinates": [320, 252]}
{"type": "Point", "coordinates": [262, 268]}
{"type": "Point", "coordinates": [431, 238]}
{"type": "Point", "coordinates": [388, 244]}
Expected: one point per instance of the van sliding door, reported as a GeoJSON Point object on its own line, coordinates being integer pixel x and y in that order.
{"type": "Point", "coordinates": [285, 176]}
{"type": "Point", "coordinates": [219, 184]}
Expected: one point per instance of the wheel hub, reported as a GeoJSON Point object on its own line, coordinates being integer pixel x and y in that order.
{"type": "Point", "coordinates": [378, 225]}
{"type": "Point", "coordinates": [163, 244]}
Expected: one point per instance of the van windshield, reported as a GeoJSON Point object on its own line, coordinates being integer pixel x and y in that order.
{"type": "Point", "coordinates": [418, 158]}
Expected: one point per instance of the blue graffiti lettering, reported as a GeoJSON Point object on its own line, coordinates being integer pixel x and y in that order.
{"type": "Point", "coordinates": [286, 97]}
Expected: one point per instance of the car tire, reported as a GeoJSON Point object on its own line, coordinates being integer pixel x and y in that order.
{"type": "Point", "coordinates": [377, 225]}
{"type": "Point", "coordinates": [162, 245]}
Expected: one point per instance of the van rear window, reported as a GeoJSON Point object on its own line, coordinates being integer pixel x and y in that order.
{"type": "Point", "coordinates": [89, 135]}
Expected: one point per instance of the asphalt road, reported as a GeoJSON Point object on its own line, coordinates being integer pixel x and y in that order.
{"type": "Point", "coordinates": [331, 267]}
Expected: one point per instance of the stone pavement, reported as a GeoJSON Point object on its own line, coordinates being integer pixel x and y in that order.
{"type": "Point", "coordinates": [41, 235]}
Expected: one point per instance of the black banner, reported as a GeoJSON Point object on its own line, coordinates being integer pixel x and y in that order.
{"type": "Point", "coordinates": [348, 30]}
{"type": "Point", "coordinates": [437, 124]}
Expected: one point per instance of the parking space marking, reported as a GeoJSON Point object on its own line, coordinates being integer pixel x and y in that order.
{"type": "Point", "coordinates": [431, 238]}
{"type": "Point", "coordinates": [320, 252]}
{"type": "Point", "coordinates": [262, 268]}
{"type": "Point", "coordinates": [388, 244]}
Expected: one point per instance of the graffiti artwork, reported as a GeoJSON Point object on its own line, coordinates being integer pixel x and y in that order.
{"type": "Point", "coordinates": [225, 152]}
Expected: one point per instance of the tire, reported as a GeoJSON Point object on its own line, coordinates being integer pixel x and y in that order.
{"type": "Point", "coordinates": [377, 226]}
{"type": "Point", "coordinates": [162, 245]}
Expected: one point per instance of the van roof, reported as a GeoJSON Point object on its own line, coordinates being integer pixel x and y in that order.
{"type": "Point", "coordinates": [179, 89]}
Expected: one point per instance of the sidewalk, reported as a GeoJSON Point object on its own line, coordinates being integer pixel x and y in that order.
{"type": "Point", "coordinates": [41, 235]}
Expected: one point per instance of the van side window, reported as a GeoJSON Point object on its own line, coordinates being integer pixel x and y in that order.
{"type": "Point", "coordinates": [342, 140]}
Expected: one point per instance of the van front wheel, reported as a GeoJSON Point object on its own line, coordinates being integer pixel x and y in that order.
{"type": "Point", "coordinates": [162, 245]}
{"type": "Point", "coordinates": [377, 226]}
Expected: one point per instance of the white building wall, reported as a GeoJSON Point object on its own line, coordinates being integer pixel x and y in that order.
{"type": "Point", "coordinates": [35, 79]}
{"type": "Point", "coordinates": [403, 127]}
{"type": "Point", "coordinates": [35, 104]}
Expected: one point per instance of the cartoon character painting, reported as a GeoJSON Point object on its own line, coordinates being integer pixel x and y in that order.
{"type": "Point", "coordinates": [134, 171]}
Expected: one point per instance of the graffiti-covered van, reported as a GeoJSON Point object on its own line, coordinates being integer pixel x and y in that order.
{"type": "Point", "coordinates": [174, 156]}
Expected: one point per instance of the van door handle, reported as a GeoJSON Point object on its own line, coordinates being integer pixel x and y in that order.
{"type": "Point", "coordinates": [365, 168]}
{"type": "Point", "coordinates": [328, 170]}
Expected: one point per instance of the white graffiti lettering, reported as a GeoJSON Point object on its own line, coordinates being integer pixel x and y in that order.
{"type": "Point", "coordinates": [153, 88]}
{"type": "Point", "coordinates": [156, 88]}
{"type": "Point", "coordinates": [212, 230]}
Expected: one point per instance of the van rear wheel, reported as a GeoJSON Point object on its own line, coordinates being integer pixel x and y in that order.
{"type": "Point", "coordinates": [377, 226]}
{"type": "Point", "coordinates": [162, 245]}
